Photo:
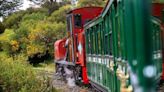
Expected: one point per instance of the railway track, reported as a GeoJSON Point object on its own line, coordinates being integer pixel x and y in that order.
{"type": "Point", "coordinates": [61, 85]}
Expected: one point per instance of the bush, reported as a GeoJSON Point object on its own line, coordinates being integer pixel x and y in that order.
{"type": "Point", "coordinates": [18, 76]}
{"type": "Point", "coordinates": [2, 28]}
{"type": "Point", "coordinates": [60, 15]}
{"type": "Point", "coordinates": [34, 16]}
{"type": "Point", "coordinates": [5, 41]}
{"type": "Point", "coordinates": [35, 32]}
{"type": "Point", "coordinates": [87, 3]}
{"type": "Point", "coordinates": [12, 21]}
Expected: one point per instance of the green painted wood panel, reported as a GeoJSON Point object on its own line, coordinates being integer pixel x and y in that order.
{"type": "Point", "coordinates": [124, 41]}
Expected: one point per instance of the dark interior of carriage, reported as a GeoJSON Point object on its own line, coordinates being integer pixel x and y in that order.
{"type": "Point", "coordinates": [77, 20]}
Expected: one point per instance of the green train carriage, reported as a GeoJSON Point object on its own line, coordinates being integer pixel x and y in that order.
{"type": "Point", "coordinates": [123, 47]}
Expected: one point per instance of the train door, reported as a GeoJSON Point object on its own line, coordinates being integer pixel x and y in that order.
{"type": "Point", "coordinates": [80, 46]}
{"type": "Point", "coordinates": [77, 27]}
{"type": "Point", "coordinates": [70, 40]}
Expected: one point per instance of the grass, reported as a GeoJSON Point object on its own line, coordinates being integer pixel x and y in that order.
{"type": "Point", "coordinates": [48, 66]}
{"type": "Point", "coordinates": [16, 75]}
{"type": "Point", "coordinates": [3, 54]}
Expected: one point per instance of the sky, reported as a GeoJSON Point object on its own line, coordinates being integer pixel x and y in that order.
{"type": "Point", "coordinates": [27, 4]}
{"type": "Point", "coordinates": [1, 19]}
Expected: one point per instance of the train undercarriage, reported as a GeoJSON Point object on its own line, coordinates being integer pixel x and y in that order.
{"type": "Point", "coordinates": [69, 72]}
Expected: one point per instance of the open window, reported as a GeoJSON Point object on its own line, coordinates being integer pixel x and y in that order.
{"type": "Point", "coordinates": [77, 20]}
{"type": "Point", "coordinates": [69, 23]}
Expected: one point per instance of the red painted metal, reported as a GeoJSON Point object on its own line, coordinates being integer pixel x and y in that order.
{"type": "Point", "coordinates": [77, 40]}
{"type": "Point", "coordinates": [81, 49]}
{"type": "Point", "coordinates": [59, 49]}
{"type": "Point", "coordinates": [84, 75]}
{"type": "Point", "coordinates": [157, 10]}
{"type": "Point", "coordinates": [87, 13]}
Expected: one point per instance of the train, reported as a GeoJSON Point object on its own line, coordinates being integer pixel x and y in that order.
{"type": "Point", "coordinates": [118, 48]}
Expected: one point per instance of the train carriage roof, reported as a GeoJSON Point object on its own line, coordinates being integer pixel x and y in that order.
{"type": "Point", "coordinates": [106, 8]}
{"type": "Point", "coordinates": [100, 17]}
{"type": "Point", "coordinates": [105, 11]}
{"type": "Point", "coordinates": [81, 8]}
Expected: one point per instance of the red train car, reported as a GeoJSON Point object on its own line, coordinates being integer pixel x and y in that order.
{"type": "Point", "coordinates": [70, 52]}
{"type": "Point", "coordinates": [158, 12]}
{"type": "Point", "coordinates": [70, 55]}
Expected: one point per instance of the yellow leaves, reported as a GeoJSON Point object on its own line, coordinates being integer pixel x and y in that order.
{"type": "Point", "coordinates": [6, 35]}
{"type": "Point", "coordinates": [31, 49]}
{"type": "Point", "coordinates": [35, 34]}
{"type": "Point", "coordinates": [32, 36]}
{"type": "Point", "coordinates": [14, 42]}
{"type": "Point", "coordinates": [34, 48]}
{"type": "Point", "coordinates": [7, 44]}
{"type": "Point", "coordinates": [14, 45]}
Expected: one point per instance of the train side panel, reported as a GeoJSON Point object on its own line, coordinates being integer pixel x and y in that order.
{"type": "Point", "coordinates": [124, 66]}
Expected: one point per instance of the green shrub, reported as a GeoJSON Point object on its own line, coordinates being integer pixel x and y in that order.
{"type": "Point", "coordinates": [2, 27]}
{"type": "Point", "coordinates": [5, 39]}
{"type": "Point", "coordinates": [87, 3]}
{"type": "Point", "coordinates": [60, 15]}
{"type": "Point", "coordinates": [33, 31]}
{"type": "Point", "coordinates": [13, 20]}
{"type": "Point", "coordinates": [18, 76]}
{"type": "Point", "coordinates": [34, 16]}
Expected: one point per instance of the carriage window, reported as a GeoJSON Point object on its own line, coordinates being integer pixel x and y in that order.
{"type": "Point", "coordinates": [77, 20]}
{"type": "Point", "coordinates": [69, 23]}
